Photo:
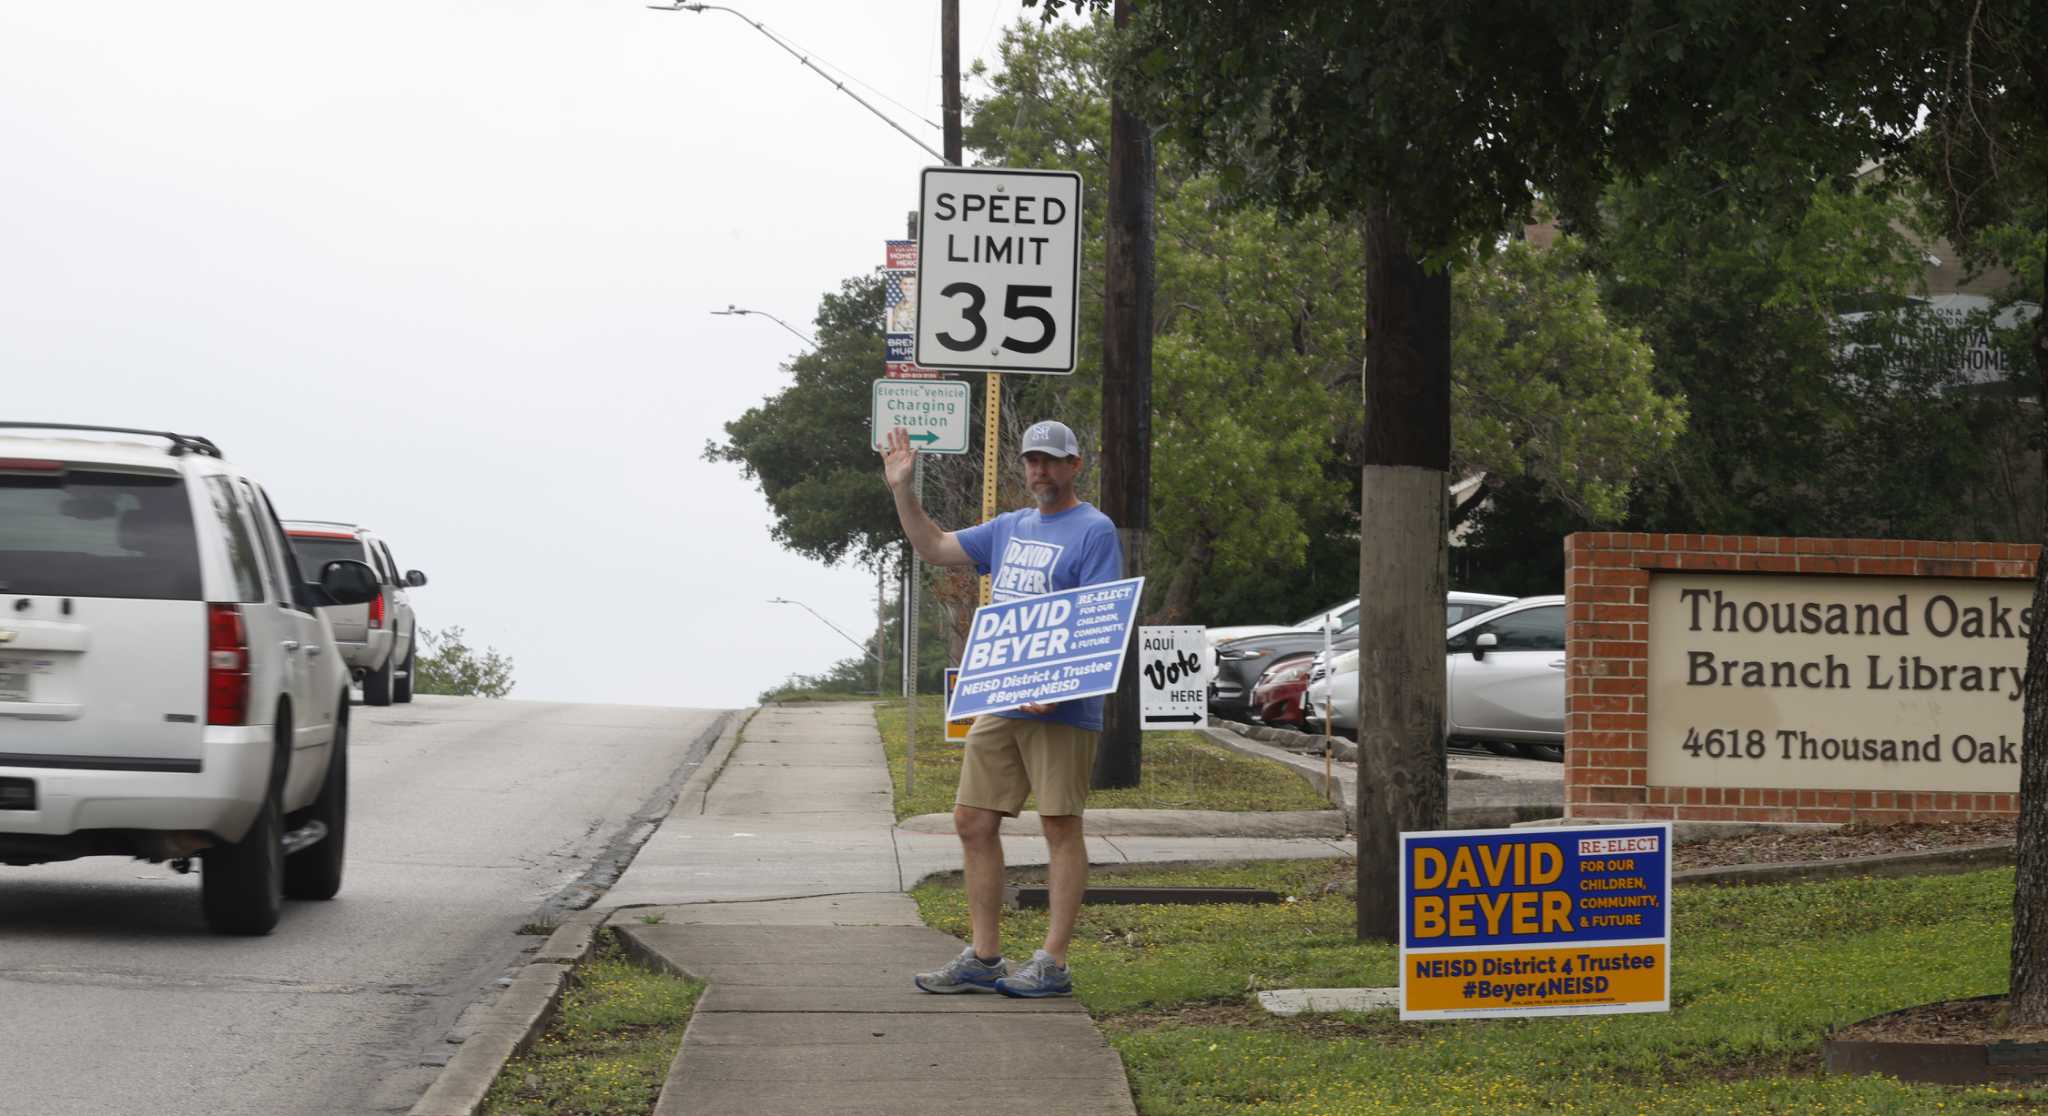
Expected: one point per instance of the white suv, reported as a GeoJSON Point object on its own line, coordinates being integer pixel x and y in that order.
{"type": "Point", "coordinates": [168, 687]}
{"type": "Point", "coordinates": [378, 639]}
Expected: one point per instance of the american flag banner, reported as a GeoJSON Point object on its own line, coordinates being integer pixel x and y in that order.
{"type": "Point", "coordinates": [899, 300]}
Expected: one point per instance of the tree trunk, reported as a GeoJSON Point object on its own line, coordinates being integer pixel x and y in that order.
{"type": "Point", "coordinates": [1401, 569]}
{"type": "Point", "coordinates": [959, 592]}
{"type": "Point", "coordinates": [2030, 878]}
{"type": "Point", "coordinates": [1126, 395]}
{"type": "Point", "coordinates": [1177, 604]}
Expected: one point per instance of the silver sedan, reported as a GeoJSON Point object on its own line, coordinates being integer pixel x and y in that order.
{"type": "Point", "coordinates": [1505, 671]}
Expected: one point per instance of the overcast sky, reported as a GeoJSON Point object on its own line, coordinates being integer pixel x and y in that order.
{"type": "Point", "coordinates": [445, 269]}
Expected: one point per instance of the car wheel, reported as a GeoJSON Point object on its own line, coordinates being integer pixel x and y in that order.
{"type": "Point", "coordinates": [377, 684]}
{"type": "Point", "coordinates": [401, 687]}
{"type": "Point", "coordinates": [315, 872]}
{"type": "Point", "coordinates": [1552, 753]}
{"type": "Point", "coordinates": [1500, 748]}
{"type": "Point", "coordinates": [241, 885]}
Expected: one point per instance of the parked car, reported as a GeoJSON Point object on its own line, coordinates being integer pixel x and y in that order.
{"type": "Point", "coordinates": [1276, 697]}
{"type": "Point", "coordinates": [1238, 663]}
{"type": "Point", "coordinates": [379, 640]}
{"type": "Point", "coordinates": [168, 686]}
{"type": "Point", "coordinates": [1505, 680]}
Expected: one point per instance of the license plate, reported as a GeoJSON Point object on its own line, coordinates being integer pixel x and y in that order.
{"type": "Point", "coordinates": [15, 673]}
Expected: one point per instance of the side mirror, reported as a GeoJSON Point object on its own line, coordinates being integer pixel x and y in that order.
{"type": "Point", "coordinates": [415, 579]}
{"type": "Point", "coordinates": [1483, 644]}
{"type": "Point", "coordinates": [348, 582]}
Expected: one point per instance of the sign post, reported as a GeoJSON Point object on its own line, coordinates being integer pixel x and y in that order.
{"type": "Point", "coordinates": [998, 284]}
{"type": "Point", "coordinates": [1173, 663]}
{"type": "Point", "coordinates": [1564, 921]}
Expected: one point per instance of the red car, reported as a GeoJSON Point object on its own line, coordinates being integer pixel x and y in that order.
{"type": "Point", "coordinates": [1277, 697]}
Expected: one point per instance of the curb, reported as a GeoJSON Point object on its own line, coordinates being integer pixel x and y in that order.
{"type": "Point", "coordinates": [518, 1017]}
{"type": "Point", "coordinates": [1933, 862]}
{"type": "Point", "coordinates": [699, 782]}
{"type": "Point", "coordinates": [528, 1005]}
{"type": "Point", "coordinates": [1333, 794]}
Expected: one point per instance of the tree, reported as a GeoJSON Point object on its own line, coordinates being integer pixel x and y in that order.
{"type": "Point", "coordinates": [806, 445]}
{"type": "Point", "coordinates": [450, 666]}
{"type": "Point", "coordinates": [1435, 124]}
{"type": "Point", "coordinates": [1985, 162]}
{"type": "Point", "coordinates": [1260, 329]}
{"type": "Point", "coordinates": [1805, 422]}
{"type": "Point", "coordinates": [1545, 386]}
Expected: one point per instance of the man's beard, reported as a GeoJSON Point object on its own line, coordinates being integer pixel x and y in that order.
{"type": "Point", "coordinates": [1046, 494]}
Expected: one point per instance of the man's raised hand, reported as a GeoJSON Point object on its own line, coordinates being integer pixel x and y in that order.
{"type": "Point", "coordinates": [898, 458]}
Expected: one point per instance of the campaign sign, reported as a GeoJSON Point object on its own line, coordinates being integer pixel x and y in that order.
{"type": "Point", "coordinates": [1554, 921]}
{"type": "Point", "coordinates": [1173, 677]}
{"type": "Point", "coordinates": [1057, 647]}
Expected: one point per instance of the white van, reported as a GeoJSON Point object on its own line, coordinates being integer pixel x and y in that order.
{"type": "Point", "coordinates": [168, 687]}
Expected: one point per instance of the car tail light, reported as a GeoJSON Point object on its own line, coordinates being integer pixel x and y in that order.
{"type": "Point", "coordinates": [227, 666]}
{"type": "Point", "coordinates": [377, 610]}
{"type": "Point", "coordinates": [29, 465]}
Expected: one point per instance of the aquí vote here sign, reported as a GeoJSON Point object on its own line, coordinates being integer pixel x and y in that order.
{"type": "Point", "coordinates": [1056, 647]}
{"type": "Point", "coordinates": [998, 269]}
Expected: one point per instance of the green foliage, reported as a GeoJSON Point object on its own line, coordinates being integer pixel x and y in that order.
{"type": "Point", "coordinates": [1802, 423]}
{"type": "Point", "coordinates": [446, 664]}
{"type": "Point", "coordinates": [807, 445]}
{"type": "Point", "coordinates": [608, 1050]}
{"type": "Point", "coordinates": [1182, 771]}
{"type": "Point", "coordinates": [1760, 975]}
{"type": "Point", "coordinates": [1544, 386]}
{"type": "Point", "coordinates": [1257, 351]}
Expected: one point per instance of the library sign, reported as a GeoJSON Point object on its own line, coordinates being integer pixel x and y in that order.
{"type": "Point", "coordinates": [1862, 683]}
{"type": "Point", "coordinates": [1751, 678]}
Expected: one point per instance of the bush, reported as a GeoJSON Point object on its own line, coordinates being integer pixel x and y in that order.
{"type": "Point", "coordinates": [447, 665]}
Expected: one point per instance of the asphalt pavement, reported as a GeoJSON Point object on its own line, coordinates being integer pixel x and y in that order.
{"type": "Point", "coordinates": [467, 819]}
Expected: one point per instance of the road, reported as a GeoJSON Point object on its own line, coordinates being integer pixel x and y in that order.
{"type": "Point", "coordinates": [468, 819]}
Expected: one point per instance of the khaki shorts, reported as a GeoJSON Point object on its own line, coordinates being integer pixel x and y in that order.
{"type": "Point", "coordinates": [1009, 758]}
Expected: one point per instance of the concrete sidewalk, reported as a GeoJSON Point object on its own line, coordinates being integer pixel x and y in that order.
{"type": "Point", "coordinates": [783, 887]}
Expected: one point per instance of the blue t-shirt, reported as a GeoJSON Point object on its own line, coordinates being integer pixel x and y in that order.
{"type": "Point", "coordinates": [1029, 553]}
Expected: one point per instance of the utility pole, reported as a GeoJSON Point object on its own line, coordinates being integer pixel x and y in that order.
{"type": "Point", "coordinates": [1127, 275]}
{"type": "Point", "coordinates": [992, 385]}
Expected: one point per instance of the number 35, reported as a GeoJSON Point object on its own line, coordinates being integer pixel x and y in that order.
{"type": "Point", "coordinates": [1013, 309]}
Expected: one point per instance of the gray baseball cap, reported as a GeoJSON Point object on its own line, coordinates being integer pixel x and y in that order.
{"type": "Point", "coordinates": [1049, 437]}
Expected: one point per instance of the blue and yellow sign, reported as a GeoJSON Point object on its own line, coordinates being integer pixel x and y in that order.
{"type": "Point", "coordinates": [1554, 921]}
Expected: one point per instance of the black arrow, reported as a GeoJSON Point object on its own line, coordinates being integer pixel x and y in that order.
{"type": "Point", "coordinates": [1178, 718]}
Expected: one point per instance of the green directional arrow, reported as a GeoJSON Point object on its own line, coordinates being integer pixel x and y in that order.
{"type": "Point", "coordinates": [927, 437]}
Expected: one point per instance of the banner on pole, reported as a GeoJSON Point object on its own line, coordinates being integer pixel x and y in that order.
{"type": "Point", "coordinates": [1056, 647]}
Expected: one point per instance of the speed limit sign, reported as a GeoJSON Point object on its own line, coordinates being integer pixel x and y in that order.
{"type": "Point", "coordinates": [998, 269]}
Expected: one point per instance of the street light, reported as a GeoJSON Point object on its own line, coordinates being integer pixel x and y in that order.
{"type": "Point", "coordinates": [814, 612]}
{"type": "Point", "coordinates": [730, 309]}
{"type": "Point", "coordinates": [805, 59]}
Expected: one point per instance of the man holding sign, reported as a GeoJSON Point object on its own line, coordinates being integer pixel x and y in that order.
{"type": "Point", "coordinates": [1044, 749]}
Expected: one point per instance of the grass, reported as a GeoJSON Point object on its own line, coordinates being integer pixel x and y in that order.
{"type": "Point", "coordinates": [795, 697]}
{"type": "Point", "coordinates": [1181, 771]}
{"type": "Point", "coordinates": [609, 1048]}
{"type": "Point", "coordinates": [1760, 975]}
